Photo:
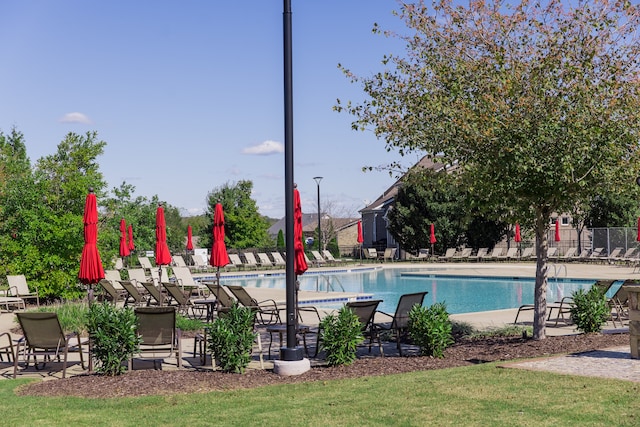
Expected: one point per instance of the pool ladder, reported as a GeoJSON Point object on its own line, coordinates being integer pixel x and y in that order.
{"type": "Point", "coordinates": [325, 282]}
{"type": "Point", "coordinates": [557, 269]}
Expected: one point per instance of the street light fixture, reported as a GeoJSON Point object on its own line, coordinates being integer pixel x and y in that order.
{"type": "Point", "coordinates": [317, 179]}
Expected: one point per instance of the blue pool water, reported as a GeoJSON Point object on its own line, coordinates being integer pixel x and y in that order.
{"type": "Point", "coordinates": [462, 294]}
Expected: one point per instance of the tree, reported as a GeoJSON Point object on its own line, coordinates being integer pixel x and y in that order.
{"type": "Point", "coordinates": [538, 103]}
{"type": "Point", "coordinates": [244, 226]}
{"type": "Point", "coordinates": [280, 244]}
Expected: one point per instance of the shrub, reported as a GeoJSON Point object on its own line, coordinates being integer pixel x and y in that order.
{"type": "Point", "coordinates": [72, 315]}
{"type": "Point", "coordinates": [590, 309]}
{"type": "Point", "coordinates": [340, 336]}
{"type": "Point", "coordinates": [430, 329]}
{"type": "Point", "coordinates": [113, 337]}
{"type": "Point", "coordinates": [230, 338]}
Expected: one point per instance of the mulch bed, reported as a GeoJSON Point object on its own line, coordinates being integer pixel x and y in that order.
{"type": "Point", "coordinates": [465, 352]}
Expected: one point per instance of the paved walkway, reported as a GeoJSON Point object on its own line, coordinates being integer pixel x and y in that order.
{"type": "Point", "coordinates": [612, 363]}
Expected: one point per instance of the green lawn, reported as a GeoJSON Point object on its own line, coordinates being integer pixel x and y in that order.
{"type": "Point", "coordinates": [482, 395]}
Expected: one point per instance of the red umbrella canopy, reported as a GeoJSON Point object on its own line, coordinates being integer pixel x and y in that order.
{"type": "Point", "coordinates": [517, 237]}
{"type": "Point", "coordinates": [360, 238]}
{"type": "Point", "coordinates": [132, 246]}
{"type": "Point", "coordinates": [124, 248]}
{"type": "Point", "coordinates": [638, 229]}
{"type": "Point", "coordinates": [91, 270]}
{"type": "Point", "coordinates": [432, 238]}
{"type": "Point", "coordinates": [300, 262]}
{"type": "Point", "coordinates": [557, 230]}
{"type": "Point", "coordinates": [219, 256]}
{"type": "Point", "coordinates": [189, 239]}
{"type": "Point", "coordinates": [163, 257]}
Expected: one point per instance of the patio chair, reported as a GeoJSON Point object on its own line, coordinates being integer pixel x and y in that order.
{"type": "Point", "coordinates": [157, 329]}
{"type": "Point", "coordinates": [18, 287]}
{"type": "Point", "coordinates": [619, 302]}
{"type": "Point", "coordinates": [527, 254]}
{"type": "Point", "coordinates": [182, 301]}
{"type": "Point", "coordinates": [399, 322]}
{"type": "Point", "coordinates": [6, 348]}
{"type": "Point", "coordinates": [330, 258]}
{"type": "Point", "coordinates": [268, 312]}
{"type": "Point", "coordinates": [463, 255]}
{"type": "Point", "coordinates": [138, 276]}
{"type": "Point", "coordinates": [481, 255]}
{"type": "Point", "coordinates": [178, 261]}
{"type": "Point", "coordinates": [615, 255]}
{"type": "Point", "coordinates": [370, 253]}
{"type": "Point", "coordinates": [366, 311]}
{"type": "Point", "coordinates": [200, 262]}
{"type": "Point", "coordinates": [236, 261]}
{"type": "Point", "coordinates": [133, 294]}
{"type": "Point", "coordinates": [512, 253]}
{"type": "Point", "coordinates": [43, 336]}
{"type": "Point", "coordinates": [224, 301]}
{"type": "Point", "coordinates": [187, 282]}
{"type": "Point", "coordinates": [569, 255]}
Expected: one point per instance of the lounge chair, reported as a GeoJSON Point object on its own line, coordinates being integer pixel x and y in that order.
{"type": "Point", "coordinates": [155, 274]}
{"type": "Point", "coordinates": [462, 255]}
{"type": "Point", "coordinates": [157, 329]}
{"type": "Point", "coordinates": [389, 254]}
{"type": "Point", "coordinates": [224, 301]}
{"type": "Point", "coordinates": [495, 254]}
{"type": "Point", "coordinates": [399, 322]}
{"type": "Point", "coordinates": [264, 260]}
{"type": "Point", "coordinates": [153, 293]}
{"type": "Point", "coordinates": [278, 260]}
{"type": "Point", "coordinates": [583, 255]}
{"type": "Point", "coordinates": [366, 311]}
{"type": "Point", "coordinates": [527, 254]}
{"type": "Point", "coordinates": [482, 254]}
{"type": "Point", "coordinates": [615, 255]}
{"type": "Point", "coordinates": [250, 259]}
{"type": "Point", "coordinates": [568, 255]}
{"type": "Point", "coordinates": [370, 253]}
{"type": "Point", "coordinates": [235, 261]}
{"type": "Point", "coordinates": [318, 260]}
{"type": "Point", "coordinates": [138, 276]}
{"type": "Point", "coordinates": [43, 336]}
{"type": "Point", "coordinates": [112, 294]}
{"type": "Point", "coordinates": [200, 262]}
{"type": "Point", "coordinates": [268, 312]}
{"type": "Point", "coordinates": [552, 253]}
{"type": "Point", "coordinates": [448, 255]}
{"type": "Point", "coordinates": [182, 301]}
{"type": "Point", "coordinates": [119, 264]}
{"type": "Point", "coordinates": [512, 253]}
{"type": "Point", "coordinates": [133, 296]}
{"type": "Point", "coordinates": [330, 258]}
{"type": "Point", "coordinates": [629, 256]}
{"type": "Point", "coordinates": [178, 261]}
{"type": "Point", "coordinates": [596, 255]}
{"type": "Point", "coordinates": [186, 281]}
{"type": "Point", "coordinates": [145, 263]}
{"type": "Point", "coordinates": [9, 302]}
{"type": "Point", "coordinates": [18, 287]}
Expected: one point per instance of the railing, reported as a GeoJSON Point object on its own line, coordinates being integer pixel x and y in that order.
{"type": "Point", "coordinates": [327, 281]}
{"type": "Point", "coordinates": [557, 269]}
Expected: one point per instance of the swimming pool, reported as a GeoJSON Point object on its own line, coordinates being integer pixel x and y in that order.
{"type": "Point", "coordinates": [462, 294]}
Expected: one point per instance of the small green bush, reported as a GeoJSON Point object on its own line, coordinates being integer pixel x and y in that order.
{"type": "Point", "coordinates": [430, 329]}
{"type": "Point", "coordinates": [188, 324]}
{"type": "Point", "coordinates": [340, 336]}
{"type": "Point", "coordinates": [72, 315]}
{"type": "Point", "coordinates": [113, 337]}
{"type": "Point", "coordinates": [590, 309]}
{"type": "Point", "coordinates": [230, 338]}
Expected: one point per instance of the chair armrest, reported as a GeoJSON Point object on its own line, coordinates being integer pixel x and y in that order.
{"type": "Point", "coordinates": [12, 291]}
{"type": "Point", "coordinates": [383, 313]}
{"type": "Point", "coordinates": [310, 309]}
{"type": "Point", "coordinates": [269, 302]}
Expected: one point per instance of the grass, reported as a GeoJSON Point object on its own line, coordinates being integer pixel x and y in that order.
{"type": "Point", "coordinates": [479, 395]}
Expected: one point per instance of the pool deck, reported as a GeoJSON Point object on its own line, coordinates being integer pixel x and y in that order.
{"type": "Point", "coordinates": [483, 320]}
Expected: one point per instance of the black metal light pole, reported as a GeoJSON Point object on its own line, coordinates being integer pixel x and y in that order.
{"type": "Point", "coordinates": [291, 352]}
{"type": "Point", "coordinates": [317, 179]}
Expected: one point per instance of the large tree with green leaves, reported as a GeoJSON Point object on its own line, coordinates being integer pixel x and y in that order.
{"type": "Point", "coordinates": [539, 102]}
{"type": "Point", "coordinates": [244, 226]}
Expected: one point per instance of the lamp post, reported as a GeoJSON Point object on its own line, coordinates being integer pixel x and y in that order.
{"type": "Point", "coordinates": [317, 179]}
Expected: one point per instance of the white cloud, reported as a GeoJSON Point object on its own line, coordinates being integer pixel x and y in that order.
{"type": "Point", "coordinates": [266, 148]}
{"type": "Point", "coordinates": [75, 118]}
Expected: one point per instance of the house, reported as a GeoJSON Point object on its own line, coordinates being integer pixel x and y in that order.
{"type": "Point", "coordinates": [345, 230]}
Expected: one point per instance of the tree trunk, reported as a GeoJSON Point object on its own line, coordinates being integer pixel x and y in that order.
{"type": "Point", "coordinates": [540, 293]}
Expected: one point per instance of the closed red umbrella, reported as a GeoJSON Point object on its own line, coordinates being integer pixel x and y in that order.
{"type": "Point", "coordinates": [638, 229]}
{"type": "Point", "coordinates": [557, 230]}
{"type": "Point", "coordinates": [132, 246]}
{"type": "Point", "coordinates": [517, 237]}
{"type": "Point", "coordinates": [189, 239]}
{"type": "Point", "coordinates": [91, 270]}
{"type": "Point", "coordinates": [163, 257]}
{"type": "Point", "coordinates": [219, 257]}
{"type": "Point", "coordinates": [300, 263]}
{"type": "Point", "coordinates": [124, 248]}
{"type": "Point", "coordinates": [432, 238]}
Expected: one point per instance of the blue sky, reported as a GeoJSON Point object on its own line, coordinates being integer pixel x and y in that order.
{"type": "Point", "coordinates": [189, 95]}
